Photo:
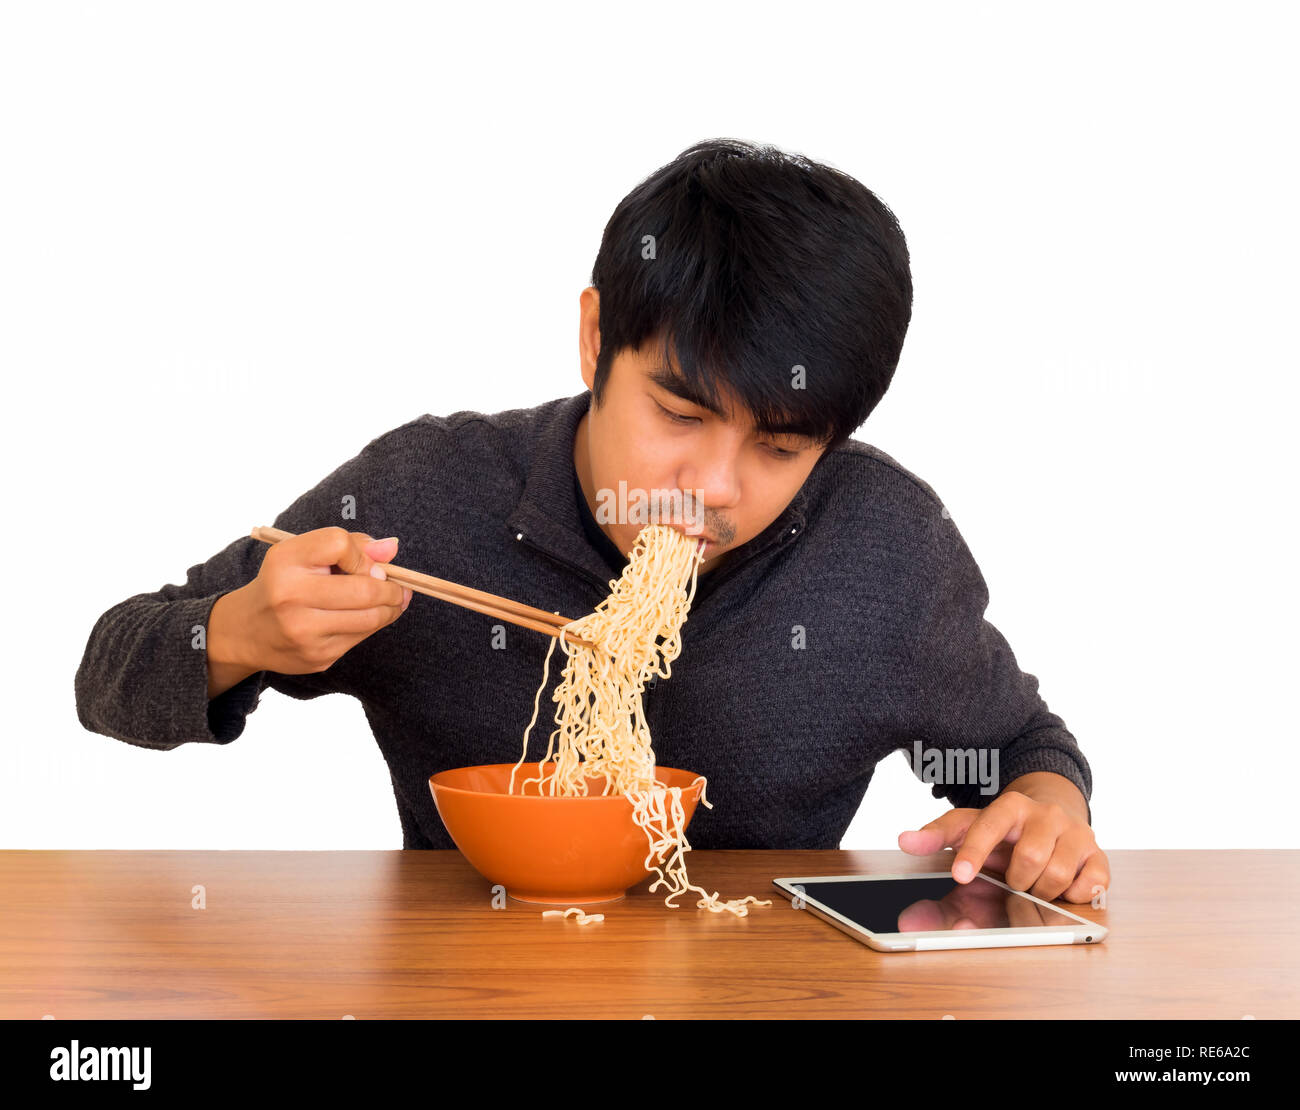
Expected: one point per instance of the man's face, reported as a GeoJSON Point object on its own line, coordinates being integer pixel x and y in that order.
{"type": "Point", "coordinates": [653, 439]}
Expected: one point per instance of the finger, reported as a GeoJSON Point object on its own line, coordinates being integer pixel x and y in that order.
{"type": "Point", "coordinates": [1004, 817]}
{"type": "Point", "coordinates": [319, 626]}
{"type": "Point", "coordinates": [944, 831]}
{"type": "Point", "coordinates": [357, 624]}
{"type": "Point", "coordinates": [1095, 873]}
{"type": "Point", "coordinates": [998, 860]}
{"type": "Point", "coordinates": [360, 564]}
{"type": "Point", "coordinates": [1072, 848]}
{"type": "Point", "coordinates": [349, 591]}
{"type": "Point", "coordinates": [1034, 849]}
{"type": "Point", "coordinates": [372, 554]}
{"type": "Point", "coordinates": [381, 551]}
{"type": "Point", "coordinates": [319, 549]}
{"type": "Point", "coordinates": [359, 555]}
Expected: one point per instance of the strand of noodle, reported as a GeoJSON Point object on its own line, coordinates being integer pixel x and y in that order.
{"type": "Point", "coordinates": [546, 670]}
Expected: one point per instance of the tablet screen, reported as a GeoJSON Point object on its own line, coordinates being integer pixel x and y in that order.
{"type": "Point", "coordinates": [926, 905]}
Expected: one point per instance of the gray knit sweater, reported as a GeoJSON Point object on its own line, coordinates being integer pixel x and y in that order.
{"type": "Point", "coordinates": [851, 628]}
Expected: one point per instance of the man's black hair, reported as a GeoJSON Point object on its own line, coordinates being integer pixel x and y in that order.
{"type": "Point", "coordinates": [760, 261]}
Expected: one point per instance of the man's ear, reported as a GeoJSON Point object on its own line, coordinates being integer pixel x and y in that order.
{"type": "Point", "coordinates": [589, 334]}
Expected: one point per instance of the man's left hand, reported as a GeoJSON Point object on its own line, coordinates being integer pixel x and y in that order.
{"type": "Point", "coordinates": [1037, 845]}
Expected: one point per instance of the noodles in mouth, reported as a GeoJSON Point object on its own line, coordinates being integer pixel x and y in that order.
{"type": "Point", "coordinates": [602, 730]}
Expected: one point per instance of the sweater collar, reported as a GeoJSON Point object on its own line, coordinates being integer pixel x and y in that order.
{"type": "Point", "coordinates": [547, 515]}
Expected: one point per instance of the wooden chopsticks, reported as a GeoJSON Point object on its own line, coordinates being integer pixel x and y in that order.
{"type": "Point", "coordinates": [539, 620]}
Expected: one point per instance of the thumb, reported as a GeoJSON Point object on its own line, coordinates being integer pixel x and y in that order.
{"type": "Point", "coordinates": [947, 830]}
{"type": "Point", "coordinates": [922, 842]}
{"type": "Point", "coordinates": [381, 551]}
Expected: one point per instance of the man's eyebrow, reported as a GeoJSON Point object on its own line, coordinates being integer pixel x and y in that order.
{"type": "Point", "coordinates": [796, 431]}
{"type": "Point", "coordinates": [666, 379]}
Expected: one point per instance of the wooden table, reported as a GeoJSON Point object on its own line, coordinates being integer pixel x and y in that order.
{"type": "Point", "coordinates": [108, 934]}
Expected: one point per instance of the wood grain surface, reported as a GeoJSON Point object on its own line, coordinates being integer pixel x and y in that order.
{"type": "Point", "coordinates": [413, 934]}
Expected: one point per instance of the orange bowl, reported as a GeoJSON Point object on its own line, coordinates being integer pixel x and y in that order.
{"type": "Point", "coordinates": [558, 851]}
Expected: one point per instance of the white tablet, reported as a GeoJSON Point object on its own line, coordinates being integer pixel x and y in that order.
{"type": "Point", "coordinates": [916, 913]}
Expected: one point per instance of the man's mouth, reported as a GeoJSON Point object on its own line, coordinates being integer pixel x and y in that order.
{"type": "Point", "coordinates": [696, 535]}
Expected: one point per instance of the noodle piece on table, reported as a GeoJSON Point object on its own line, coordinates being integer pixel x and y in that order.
{"type": "Point", "coordinates": [584, 918]}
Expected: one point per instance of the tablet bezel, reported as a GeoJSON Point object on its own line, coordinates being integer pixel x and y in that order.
{"type": "Point", "coordinates": [1014, 936]}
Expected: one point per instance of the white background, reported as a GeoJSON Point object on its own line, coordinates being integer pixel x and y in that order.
{"type": "Point", "coordinates": [242, 240]}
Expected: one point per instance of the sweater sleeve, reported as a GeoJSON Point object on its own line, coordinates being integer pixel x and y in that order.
{"type": "Point", "coordinates": [970, 699]}
{"type": "Point", "coordinates": [143, 677]}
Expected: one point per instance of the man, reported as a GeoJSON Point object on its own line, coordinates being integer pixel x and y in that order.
{"type": "Point", "coordinates": [746, 314]}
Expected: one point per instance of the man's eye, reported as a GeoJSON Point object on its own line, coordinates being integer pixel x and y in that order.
{"type": "Point", "coordinates": [677, 417]}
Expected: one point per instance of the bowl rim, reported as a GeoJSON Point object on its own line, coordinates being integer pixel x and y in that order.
{"type": "Point", "coordinates": [695, 779]}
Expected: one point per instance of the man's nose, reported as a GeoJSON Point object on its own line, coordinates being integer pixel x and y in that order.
{"type": "Point", "coordinates": [715, 474]}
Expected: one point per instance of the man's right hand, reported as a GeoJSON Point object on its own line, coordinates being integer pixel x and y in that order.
{"type": "Point", "coordinates": [316, 596]}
